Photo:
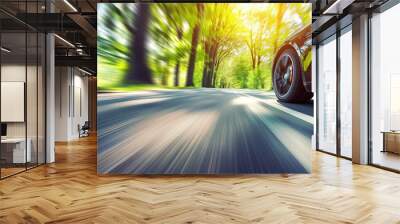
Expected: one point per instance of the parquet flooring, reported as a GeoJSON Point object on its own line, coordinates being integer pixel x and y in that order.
{"type": "Point", "coordinates": [69, 191]}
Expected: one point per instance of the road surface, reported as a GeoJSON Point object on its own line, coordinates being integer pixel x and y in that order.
{"type": "Point", "coordinates": [202, 131]}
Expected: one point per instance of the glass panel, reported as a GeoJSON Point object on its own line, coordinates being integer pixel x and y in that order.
{"type": "Point", "coordinates": [32, 88]}
{"type": "Point", "coordinates": [23, 90]}
{"type": "Point", "coordinates": [346, 94]}
{"type": "Point", "coordinates": [31, 98]}
{"type": "Point", "coordinates": [13, 86]}
{"type": "Point", "coordinates": [41, 99]}
{"type": "Point", "coordinates": [327, 96]}
{"type": "Point", "coordinates": [385, 84]}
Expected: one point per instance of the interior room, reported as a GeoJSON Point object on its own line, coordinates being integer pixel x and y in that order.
{"type": "Point", "coordinates": [23, 96]}
{"type": "Point", "coordinates": [384, 89]}
{"type": "Point", "coordinates": [290, 118]}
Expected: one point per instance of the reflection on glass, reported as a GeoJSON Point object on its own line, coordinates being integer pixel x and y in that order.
{"type": "Point", "coordinates": [385, 86]}
{"type": "Point", "coordinates": [327, 96]}
{"type": "Point", "coordinates": [346, 94]}
{"type": "Point", "coordinates": [31, 97]}
{"type": "Point", "coordinates": [14, 153]}
{"type": "Point", "coordinates": [41, 99]}
{"type": "Point", "coordinates": [22, 91]}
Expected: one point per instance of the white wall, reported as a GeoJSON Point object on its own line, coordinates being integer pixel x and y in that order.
{"type": "Point", "coordinates": [33, 126]}
{"type": "Point", "coordinates": [62, 81]}
{"type": "Point", "coordinates": [71, 102]}
{"type": "Point", "coordinates": [80, 109]}
{"type": "Point", "coordinates": [16, 73]}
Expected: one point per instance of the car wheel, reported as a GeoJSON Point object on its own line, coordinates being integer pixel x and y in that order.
{"type": "Point", "coordinates": [287, 80]}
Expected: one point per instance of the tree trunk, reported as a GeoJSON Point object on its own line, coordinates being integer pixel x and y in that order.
{"type": "Point", "coordinates": [210, 73]}
{"type": "Point", "coordinates": [214, 82]}
{"type": "Point", "coordinates": [192, 57]}
{"type": "Point", "coordinates": [205, 68]}
{"type": "Point", "coordinates": [179, 33]}
{"type": "Point", "coordinates": [178, 62]}
{"type": "Point", "coordinates": [193, 49]}
{"type": "Point", "coordinates": [164, 78]}
{"type": "Point", "coordinates": [139, 71]}
{"type": "Point", "coordinates": [214, 79]}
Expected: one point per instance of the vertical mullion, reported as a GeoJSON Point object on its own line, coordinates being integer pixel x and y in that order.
{"type": "Point", "coordinates": [73, 92]}
{"type": "Point", "coordinates": [317, 97]}
{"type": "Point", "coordinates": [45, 87]}
{"type": "Point", "coordinates": [338, 95]}
{"type": "Point", "coordinates": [369, 100]}
{"type": "Point", "coordinates": [26, 85]}
{"type": "Point", "coordinates": [1, 53]}
{"type": "Point", "coordinates": [37, 89]}
{"type": "Point", "coordinates": [69, 93]}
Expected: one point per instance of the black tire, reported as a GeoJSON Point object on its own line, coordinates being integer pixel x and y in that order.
{"type": "Point", "coordinates": [287, 80]}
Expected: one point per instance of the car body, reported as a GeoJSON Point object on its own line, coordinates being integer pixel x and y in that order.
{"type": "Point", "coordinates": [291, 71]}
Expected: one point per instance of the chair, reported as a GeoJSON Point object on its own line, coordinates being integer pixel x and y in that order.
{"type": "Point", "coordinates": [84, 130]}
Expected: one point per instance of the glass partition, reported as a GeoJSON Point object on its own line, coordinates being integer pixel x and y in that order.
{"type": "Point", "coordinates": [32, 98]}
{"type": "Point", "coordinates": [41, 97]}
{"type": "Point", "coordinates": [327, 95]}
{"type": "Point", "coordinates": [22, 67]}
{"type": "Point", "coordinates": [346, 92]}
{"type": "Point", "coordinates": [385, 89]}
{"type": "Point", "coordinates": [13, 94]}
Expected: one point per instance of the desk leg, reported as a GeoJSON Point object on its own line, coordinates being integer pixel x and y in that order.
{"type": "Point", "coordinates": [384, 142]}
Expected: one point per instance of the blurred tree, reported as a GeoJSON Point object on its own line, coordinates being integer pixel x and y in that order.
{"type": "Point", "coordinates": [281, 10]}
{"type": "Point", "coordinates": [215, 44]}
{"type": "Point", "coordinates": [258, 34]}
{"type": "Point", "coordinates": [241, 73]}
{"type": "Point", "coordinates": [139, 71]}
{"type": "Point", "coordinates": [303, 11]}
{"type": "Point", "coordinates": [218, 38]}
{"type": "Point", "coordinates": [176, 17]}
{"type": "Point", "coordinates": [163, 50]}
{"type": "Point", "coordinates": [194, 43]}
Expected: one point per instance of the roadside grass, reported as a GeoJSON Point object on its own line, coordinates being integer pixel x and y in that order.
{"type": "Point", "coordinates": [138, 87]}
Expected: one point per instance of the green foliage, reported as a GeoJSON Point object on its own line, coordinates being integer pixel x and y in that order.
{"type": "Point", "coordinates": [240, 74]}
{"type": "Point", "coordinates": [237, 42]}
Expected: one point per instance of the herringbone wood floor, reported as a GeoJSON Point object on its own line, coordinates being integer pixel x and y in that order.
{"type": "Point", "coordinates": [69, 191]}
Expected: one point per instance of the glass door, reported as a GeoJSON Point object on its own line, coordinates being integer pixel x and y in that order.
{"type": "Point", "coordinates": [385, 89]}
{"type": "Point", "coordinates": [327, 95]}
{"type": "Point", "coordinates": [345, 41]}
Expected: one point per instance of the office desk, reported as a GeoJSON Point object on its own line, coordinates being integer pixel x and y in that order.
{"type": "Point", "coordinates": [391, 141]}
{"type": "Point", "coordinates": [13, 150]}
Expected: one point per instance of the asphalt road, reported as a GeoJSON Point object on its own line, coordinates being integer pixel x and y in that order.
{"type": "Point", "coordinates": [202, 131]}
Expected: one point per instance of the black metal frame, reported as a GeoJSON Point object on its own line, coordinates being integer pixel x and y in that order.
{"type": "Point", "coordinates": [338, 98]}
{"type": "Point", "coordinates": [339, 32]}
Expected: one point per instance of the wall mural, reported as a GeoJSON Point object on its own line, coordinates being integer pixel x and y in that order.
{"type": "Point", "coordinates": [204, 88]}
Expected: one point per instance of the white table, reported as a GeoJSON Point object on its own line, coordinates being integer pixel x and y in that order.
{"type": "Point", "coordinates": [19, 153]}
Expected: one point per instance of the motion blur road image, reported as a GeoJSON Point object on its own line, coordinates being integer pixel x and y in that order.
{"type": "Point", "coordinates": [188, 89]}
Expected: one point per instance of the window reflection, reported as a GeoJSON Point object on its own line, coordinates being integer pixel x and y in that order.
{"type": "Point", "coordinates": [385, 84]}
{"type": "Point", "coordinates": [327, 96]}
